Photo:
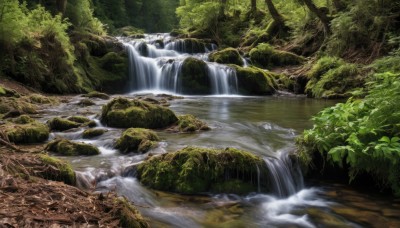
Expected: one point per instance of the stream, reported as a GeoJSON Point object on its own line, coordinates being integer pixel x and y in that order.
{"type": "Point", "coordinates": [265, 126]}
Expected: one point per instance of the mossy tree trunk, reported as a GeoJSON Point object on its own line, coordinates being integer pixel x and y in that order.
{"type": "Point", "coordinates": [274, 13]}
{"type": "Point", "coordinates": [338, 4]}
{"type": "Point", "coordinates": [320, 14]}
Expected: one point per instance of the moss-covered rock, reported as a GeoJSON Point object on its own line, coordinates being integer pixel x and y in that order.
{"type": "Point", "coordinates": [95, 94]}
{"type": "Point", "coordinates": [255, 81]}
{"type": "Point", "coordinates": [125, 113]}
{"type": "Point", "coordinates": [17, 104]}
{"type": "Point", "coordinates": [5, 92]}
{"type": "Point", "coordinates": [86, 102]}
{"type": "Point", "coordinates": [266, 56]}
{"type": "Point", "coordinates": [195, 78]}
{"type": "Point", "coordinates": [61, 124]}
{"type": "Point", "coordinates": [129, 215]}
{"type": "Point", "coordinates": [25, 130]}
{"type": "Point", "coordinates": [92, 133]}
{"type": "Point", "coordinates": [137, 140]}
{"type": "Point", "coordinates": [195, 170]}
{"type": "Point", "coordinates": [226, 56]}
{"type": "Point", "coordinates": [40, 99]}
{"type": "Point", "coordinates": [84, 121]}
{"type": "Point", "coordinates": [68, 148]}
{"type": "Point", "coordinates": [188, 45]}
{"type": "Point", "coordinates": [332, 77]}
{"type": "Point", "coordinates": [60, 171]}
{"type": "Point", "coordinates": [189, 123]}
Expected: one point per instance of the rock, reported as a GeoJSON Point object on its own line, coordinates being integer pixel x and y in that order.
{"type": "Point", "coordinates": [197, 170]}
{"type": "Point", "coordinates": [84, 121]}
{"type": "Point", "coordinates": [86, 102]}
{"type": "Point", "coordinates": [68, 148]}
{"type": "Point", "coordinates": [137, 140]}
{"type": "Point", "coordinates": [189, 123]}
{"type": "Point", "coordinates": [266, 56]}
{"type": "Point", "coordinates": [4, 92]}
{"type": "Point", "coordinates": [195, 80]}
{"type": "Point", "coordinates": [25, 130]}
{"type": "Point", "coordinates": [95, 94]}
{"type": "Point", "coordinates": [226, 56]}
{"type": "Point", "coordinates": [40, 99]}
{"type": "Point", "coordinates": [60, 124]}
{"type": "Point", "coordinates": [92, 133]}
{"type": "Point", "coordinates": [255, 81]}
{"type": "Point", "coordinates": [125, 113]}
{"type": "Point", "coordinates": [188, 45]}
{"type": "Point", "coordinates": [62, 172]}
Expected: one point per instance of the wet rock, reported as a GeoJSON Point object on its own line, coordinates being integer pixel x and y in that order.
{"type": "Point", "coordinates": [227, 56]}
{"type": "Point", "coordinates": [125, 113]}
{"type": "Point", "coordinates": [86, 102]}
{"type": "Point", "coordinates": [137, 140]}
{"type": "Point", "coordinates": [62, 172]}
{"type": "Point", "coordinates": [95, 94]}
{"type": "Point", "coordinates": [61, 124]}
{"type": "Point", "coordinates": [195, 170]}
{"type": "Point", "coordinates": [255, 81]}
{"type": "Point", "coordinates": [92, 133]}
{"type": "Point", "coordinates": [195, 78]}
{"type": "Point", "coordinates": [68, 148]}
{"type": "Point", "coordinates": [84, 121]}
{"type": "Point", "coordinates": [40, 99]}
{"type": "Point", "coordinates": [189, 123]}
{"type": "Point", "coordinates": [25, 130]}
{"type": "Point", "coordinates": [266, 56]}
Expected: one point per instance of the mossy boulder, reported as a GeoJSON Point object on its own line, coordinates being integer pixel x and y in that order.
{"type": "Point", "coordinates": [60, 171]}
{"type": "Point", "coordinates": [61, 124]}
{"type": "Point", "coordinates": [188, 45]}
{"type": "Point", "coordinates": [92, 133]}
{"type": "Point", "coordinates": [25, 130]}
{"type": "Point", "coordinates": [125, 113]}
{"type": "Point", "coordinates": [86, 102]}
{"type": "Point", "coordinates": [95, 94]}
{"type": "Point", "coordinates": [84, 121]}
{"type": "Point", "coordinates": [68, 148]}
{"type": "Point", "coordinates": [189, 123]}
{"type": "Point", "coordinates": [333, 78]}
{"type": "Point", "coordinates": [5, 92]}
{"type": "Point", "coordinates": [41, 99]}
{"type": "Point", "coordinates": [255, 81]}
{"type": "Point", "coordinates": [137, 140]}
{"type": "Point", "coordinates": [195, 80]}
{"type": "Point", "coordinates": [129, 216]}
{"type": "Point", "coordinates": [197, 170]}
{"type": "Point", "coordinates": [266, 56]}
{"type": "Point", "coordinates": [8, 104]}
{"type": "Point", "coordinates": [227, 56]}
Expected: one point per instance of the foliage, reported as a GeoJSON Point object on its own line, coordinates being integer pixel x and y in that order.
{"type": "Point", "coordinates": [362, 135]}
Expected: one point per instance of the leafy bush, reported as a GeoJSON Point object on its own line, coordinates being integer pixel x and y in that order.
{"type": "Point", "coordinates": [363, 135]}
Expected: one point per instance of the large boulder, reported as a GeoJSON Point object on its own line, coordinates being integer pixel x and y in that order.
{"type": "Point", "coordinates": [137, 140]}
{"type": "Point", "coordinates": [68, 148]}
{"type": "Point", "coordinates": [255, 81]}
{"type": "Point", "coordinates": [62, 124]}
{"type": "Point", "coordinates": [196, 170]}
{"type": "Point", "coordinates": [126, 113]}
{"type": "Point", "coordinates": [188, 45]}
{"type": "Point", "coordinates": [189, 123]}
{"type": "Point", "coordinates": [194, 77]}
{"type": "Point", "coordinates": [266, 56]}
{"type": "Point", "coordinates": [25, 130]}
{"type": "Point", "coordinates": [227, 56]}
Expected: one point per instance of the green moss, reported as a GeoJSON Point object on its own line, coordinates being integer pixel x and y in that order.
{"type": "Point", "coordinates": [2, 91]}
{"type": "Point", "coordinates": [266, 56]}
{"type": "Point", "coordinates": [130, 31]}
{"type": "Point", "coordinates": [137, 140]}
{"type": "Point", "coordinates": [129, 215]}
{"type": "Point", "coordinates": [226, 56]}
{"type": "Point", "coordinates": [92, 133]}
{"type": "Point", "coordinates": [95, 94]}
{"type": "Point", "coordinates": [60, 124]}
{"type": "Point", "coordinates": [124, 113]}
{"type": "Point", "coordinates": [189, 123]}
{"type": "Point", "coordinates": [194, 170]}
{"type": "Point", "coordinates": [195, 78]}
{"type": "Point", "coordinates": [62, 172]}
{"type": "Point", "coordinates": [255, 81]}
{"type": "Point", "coordinates": [331, 77]}
{"type": "Point", "coordinates": [40, 99]}
{"type": "Point", "coordinates": [25, 130]}
{"type": "Point", "coordinates": [84, 121]}
{"type": "Point", "coordinates": [68, 148]}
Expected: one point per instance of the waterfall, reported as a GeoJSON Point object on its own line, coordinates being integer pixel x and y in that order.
{"type": "Point", "coordinates": [285, 178]}
{"type": "Point", "coordinates": [154, 66]}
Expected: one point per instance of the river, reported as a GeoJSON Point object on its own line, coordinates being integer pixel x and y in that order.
{"type": "Point", "coordinates": [266, 126]}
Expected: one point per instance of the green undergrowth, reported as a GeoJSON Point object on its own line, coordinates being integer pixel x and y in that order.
{"type": "Point", "coordinates": [359, 136]}
{"type": "Point", "coordinates": [332, 77]}
{"type": "Point", "coordinates": [196, 170]}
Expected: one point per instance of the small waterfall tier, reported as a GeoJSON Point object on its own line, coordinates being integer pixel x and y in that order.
{"type": "Point", "coordinates": [160, 63]}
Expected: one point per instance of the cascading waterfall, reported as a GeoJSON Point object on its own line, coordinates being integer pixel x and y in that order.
{"type": "Point", "coordinates": [285, 178]}
{"type": "Point", "coordinates": [153, 68]}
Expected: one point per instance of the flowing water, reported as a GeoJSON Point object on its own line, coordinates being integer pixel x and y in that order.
{"type": "Point", "coordinates": [265, 126]}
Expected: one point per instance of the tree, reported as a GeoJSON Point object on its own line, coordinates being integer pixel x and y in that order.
{"type": "Point", "coordinates": [253, 5]}
{"type": "Point", "coordinates": [222, 8]}
{"type": "Point", "coordinates": [319, 13]}
{"type": "Point", "coordinates": [274, 13]}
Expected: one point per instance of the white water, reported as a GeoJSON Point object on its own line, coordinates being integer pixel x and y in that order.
{"type": "Point", "coordinates": [154, 68]}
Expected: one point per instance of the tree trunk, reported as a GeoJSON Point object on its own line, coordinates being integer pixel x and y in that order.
{"type": "Point", "coordinates": [61, 6]}
{"type": "Point", "coordinates": [253, 5]}
{"type": "Point", "coordinates": [338, 4]}
{"type": "Point", "coordinates": [274, 13]}
{"type": "Point", "coordinates": [321, 16]}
